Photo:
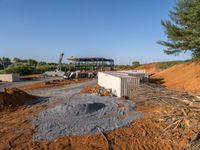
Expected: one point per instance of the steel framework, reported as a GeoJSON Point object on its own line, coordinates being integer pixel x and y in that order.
{"type": "Point", "coordinates": [94, 63]}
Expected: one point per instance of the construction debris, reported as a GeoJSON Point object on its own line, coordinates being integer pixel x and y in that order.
{"type": "Point", "coordinates": [58, 72]}
{"type": "Point", "coordinates": [96, 89]}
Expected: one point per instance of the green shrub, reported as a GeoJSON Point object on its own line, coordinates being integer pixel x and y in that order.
{"type": "Point", "coordinates": [43, 68]}
{"type": "Point", "coordinates": [135, 64]}
{"type": "Point", "coordinates": [1, 71]}
{"type": "Point", "coordinates": [21, 69]}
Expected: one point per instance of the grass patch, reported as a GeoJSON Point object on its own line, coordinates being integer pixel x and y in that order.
{"type": "Point", "coordinates": [168, 64]}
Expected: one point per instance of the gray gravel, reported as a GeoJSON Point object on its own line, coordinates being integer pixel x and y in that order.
{"type": "Point", "coordinates": [78, 114]}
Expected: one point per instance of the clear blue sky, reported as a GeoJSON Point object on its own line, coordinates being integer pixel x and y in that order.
{"type": "Point", "coordinates": [124, 30]}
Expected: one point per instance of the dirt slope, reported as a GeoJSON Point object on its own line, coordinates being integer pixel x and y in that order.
{"type": "Point", "coordinates": [185, 76]}
{"type": "Point", "coordinates": [150, 68]}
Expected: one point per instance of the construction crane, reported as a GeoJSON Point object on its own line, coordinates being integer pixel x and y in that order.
{"type": "Point", "coordinates": [58, 72]}
{"type": "Point", "coordinates": [58, 69]}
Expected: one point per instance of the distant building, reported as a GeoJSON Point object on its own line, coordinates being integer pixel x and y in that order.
{"type": "Point", "coordinates": [94, 64]}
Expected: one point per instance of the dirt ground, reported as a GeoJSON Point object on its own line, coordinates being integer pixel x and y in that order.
{"type": "Point", "coordinates": [31, 77]}
{"type": "Point", "coordinates": [55, 83]}
{"type": "Point", "coordinates": [168, 123]}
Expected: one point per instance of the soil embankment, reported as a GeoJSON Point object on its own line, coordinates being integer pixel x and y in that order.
{"type": "Point", "coordinates": [184, 76]}
{"type": "Point", "coordinates": [151, 68]}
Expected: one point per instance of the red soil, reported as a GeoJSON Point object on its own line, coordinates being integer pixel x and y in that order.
{"type": "Point", "coordinates": [149, 68]}
{"type": "Point", "coordinates": [29, 77]}
{"type": "Point", "coordinates": [14, 97]}
{"type": "Point", "coordinates": [185, 77]}
{"type": "Point", "coordinates": [40, 85]}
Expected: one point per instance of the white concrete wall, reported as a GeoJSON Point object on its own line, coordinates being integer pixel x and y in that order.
{"type": "Point", "coordinates": [144, 77]}
{"type": "Point", "coordinates": [128, 86]}
{"type": "Point", "coordinates": [133, 71]}
{"type": "Point", "coordinates": [110, 82]}
{"type": "Point", "coordinates": [9, 77]}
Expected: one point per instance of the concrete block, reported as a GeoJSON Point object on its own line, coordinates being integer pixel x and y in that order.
{"type": "Point", "coordinates": [120, 84]}
{"type": "Point", "coordinates": [9, 77]}
{"type": "Point", "coordinates": [144, 77]}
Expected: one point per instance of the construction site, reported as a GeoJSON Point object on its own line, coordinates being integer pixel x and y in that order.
{"type": "Point", "coordinates": [99, 75]}
{"type": "Point", "coordinates": [95, 106]}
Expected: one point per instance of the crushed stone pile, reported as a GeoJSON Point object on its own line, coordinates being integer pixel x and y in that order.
{"type": "Point", "coordinates": [13, 97]}
{"type": "Point", "coordinates": [84, 114]}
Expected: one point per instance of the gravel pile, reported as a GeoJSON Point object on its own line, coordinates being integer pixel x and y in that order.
{"type": "Point", "coordinates": [83, 114]}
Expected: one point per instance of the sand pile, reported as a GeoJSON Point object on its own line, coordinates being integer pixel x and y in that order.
{"type": "Point", "coordinates": [14, 97]}
{"type": "Point", "coordinates": [185, 76]}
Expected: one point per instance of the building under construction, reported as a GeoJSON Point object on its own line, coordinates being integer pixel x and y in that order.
{"type": "Point", "coordinates": [95, 64]}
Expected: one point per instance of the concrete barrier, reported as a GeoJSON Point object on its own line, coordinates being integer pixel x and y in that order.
{"type": "Point", "coordinates": [121, 84]}
{"type": "Point", "coordinates": [9, 77]}
{"type": "Point", "coordinates": [144, 77]}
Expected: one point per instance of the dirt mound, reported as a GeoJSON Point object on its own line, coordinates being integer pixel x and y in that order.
{"type": "Point", "coordinates": [14, 97]}
{"type": "Point", "coordinates": [185, 77]}
{"type": "Point", "coordinates": [95, 89]}
{"type": "Point", "coordinates": [149, 68]}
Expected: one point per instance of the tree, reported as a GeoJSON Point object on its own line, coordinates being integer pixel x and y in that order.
{"type": "Point", "coordinates": [32, 62]}
{"type": "Point", "coordinates": [22, 69]}
{"type": "Point", "coordinates": [1, 64]}
{"type": "Point", "coordinates": [183, 29]}
{"type": "Point", "coordinates": [42, 63]}
{"type": "Point", "coordinates": [135, 64]}
{"type": "Point", "coordinates": [17, 60]}
{"type": "Point", "coordinates": [5, 62]}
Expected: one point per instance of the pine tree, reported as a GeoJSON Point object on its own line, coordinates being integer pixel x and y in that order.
{"type": "Point", "coordinates": [183, 29]}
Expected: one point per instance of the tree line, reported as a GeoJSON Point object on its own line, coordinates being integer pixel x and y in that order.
{"type": "Point", "coordinates": [31, 66]}
{"type": "Point", "coordinates": [27, 66]}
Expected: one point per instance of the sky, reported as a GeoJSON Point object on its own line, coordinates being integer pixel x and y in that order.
{"type": "Point", "coordinates": [124, 30]}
